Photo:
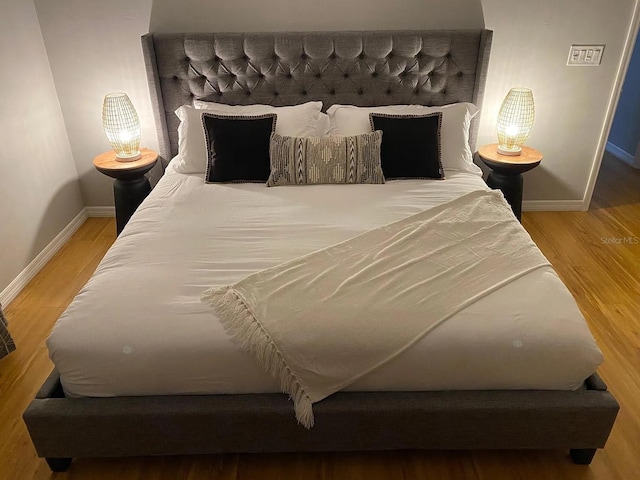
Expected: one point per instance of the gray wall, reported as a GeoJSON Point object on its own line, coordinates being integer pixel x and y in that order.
{"type": "Point", "coordinates": [39, 193]}
{"type": "Point", "coordinates": [625, 132]}
{"type": "Point", "coordinates": [94, 48]}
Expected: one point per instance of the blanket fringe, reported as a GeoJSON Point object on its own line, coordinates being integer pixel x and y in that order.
{"type": "Point", "coordinates": [239, 322]}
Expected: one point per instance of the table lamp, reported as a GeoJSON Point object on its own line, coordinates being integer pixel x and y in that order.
{"type": "Point", "coordinates": [122, 126]}
{"type": "Point", "coordinates": [515, 121]}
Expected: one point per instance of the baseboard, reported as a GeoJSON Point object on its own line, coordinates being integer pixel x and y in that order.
{"type": "Point", "coordinates": [552, 205]}
{"type": "Point", "coordinates": [101, 211]}
{"type": "Point", "coordinates": [15, 287]}
{"type": "Point", "coordinates": [623, 155]}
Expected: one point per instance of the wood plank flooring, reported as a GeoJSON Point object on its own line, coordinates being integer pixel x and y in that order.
{"type": "Point", "coordinates": [602, 272]}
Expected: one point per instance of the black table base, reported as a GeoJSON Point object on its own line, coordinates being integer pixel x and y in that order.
{"type": "Point", "coordinates": [511, 186]}
{"type": "Point", "coordinates": [128, 195]}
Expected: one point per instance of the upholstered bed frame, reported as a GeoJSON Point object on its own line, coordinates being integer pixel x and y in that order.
{"type": "Point", "coordinates": [361, 68]}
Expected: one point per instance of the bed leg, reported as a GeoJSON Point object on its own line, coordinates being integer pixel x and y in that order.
{"type": "Point", "coordinates": [582, 456]}
{"type": "Point", "coordinates": [59, 464]}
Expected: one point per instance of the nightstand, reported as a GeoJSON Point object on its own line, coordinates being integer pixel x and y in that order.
{"type": "Point", "coordinates": [130, 187]}
{"type": "Point", "coordinates": [506, 172]}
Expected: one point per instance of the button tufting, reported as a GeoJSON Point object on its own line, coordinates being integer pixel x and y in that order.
{"type": "Point", "coordinates": [187, 59]}
{"type": "Point", "coordinates": [175, 77]}
{"type": "Point", "coordinates": [390, 55]}
{"type": "Point", "coordinates": [275, 94]}
{"type": "Point", "coordinates": [388, 92]}
{"type": "Point", "coordinates": [361, 56]}
{"type": "Point", "coordinates": [448, 55]}
{"type": "Point", "coordinates": [247, 93]}
{"type": "Point", "coordinates": [245, 57]}
{"type": "Point", "coordinates": [360, 92]}
{"type": "Point", "coordinates": [318, 75]}
{"type": "Point", "coordinates": [346, 75]}
{"type": "Point", "coordinates": [303, 56]}
{"type": "Point", "coordinates": [459, 74]}
{"type": "Point", "coordinates": [289, 75]}
{"type": "Point", "coordinates": [374, 74]}
{"type": "Point", "coordinates": [332, 56]}
{"type": "Point", "coordinates": [332, 92]}
{"type": "Point", "coordinates": [304, 92]}
{"type": "Point", "coordinates": [261, 75]}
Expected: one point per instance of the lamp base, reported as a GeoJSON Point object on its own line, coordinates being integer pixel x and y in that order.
{"type": "Point", "coordinates": [511, 152]}
{"type": "Point", "coordinates": [131, 158]}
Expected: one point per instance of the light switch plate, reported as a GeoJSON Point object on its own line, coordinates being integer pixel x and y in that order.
{"type": "Point", "coordinates": [585, 55]}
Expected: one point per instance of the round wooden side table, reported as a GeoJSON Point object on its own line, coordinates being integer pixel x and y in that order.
{"type": "Point", "coordinates": [506, 172]}
{"type": "Point", "coordinates": [130, 187]}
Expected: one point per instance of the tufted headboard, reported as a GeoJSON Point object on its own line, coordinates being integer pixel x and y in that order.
{"type": "Point", "coordinates": [431, 67]}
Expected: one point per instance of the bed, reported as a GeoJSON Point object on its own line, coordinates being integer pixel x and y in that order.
{"type": "Point", "coordinates": [202, 400]}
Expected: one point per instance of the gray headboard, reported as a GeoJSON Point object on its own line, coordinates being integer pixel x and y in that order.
{"type": "Point", "coordinates": [431, 67]}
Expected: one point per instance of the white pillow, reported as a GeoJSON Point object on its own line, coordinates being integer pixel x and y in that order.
{"type": "Point", "coordinates": [296, 121]}
{"type": "Point", "coordinates": [323, 126]}
{"type": "Point", "coordinates": [454, 135]}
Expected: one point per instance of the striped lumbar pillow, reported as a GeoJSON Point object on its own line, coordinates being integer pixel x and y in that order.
{"type": "Point", "coordinates": [317, 160]}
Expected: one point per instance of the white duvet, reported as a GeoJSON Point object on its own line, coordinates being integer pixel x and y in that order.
{"type": "Point", "coordinates": [138, 326]}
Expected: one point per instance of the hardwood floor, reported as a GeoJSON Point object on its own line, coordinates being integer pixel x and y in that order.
{"type": "Point", "coordinates": [587, 249]}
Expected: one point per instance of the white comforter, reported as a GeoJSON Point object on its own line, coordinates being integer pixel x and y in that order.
{"type": "Point", "coordinates": [321, 321]}
{"type": "Point", "coordinates": [139, 328]}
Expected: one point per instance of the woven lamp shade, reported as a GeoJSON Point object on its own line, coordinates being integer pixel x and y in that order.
{"type": "Point", "coordinates": [515, 120]}
{"type": "Point", "coordinates": [121, 124]}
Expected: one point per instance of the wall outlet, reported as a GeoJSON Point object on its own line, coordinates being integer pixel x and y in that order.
{"type": "Point", "coordinates": [585, 55]}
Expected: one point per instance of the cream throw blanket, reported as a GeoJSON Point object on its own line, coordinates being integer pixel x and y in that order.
{"type": "Point", "coordinates": [319, 322]}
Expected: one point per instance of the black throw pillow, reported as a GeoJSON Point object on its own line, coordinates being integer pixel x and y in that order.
{"type": "Point", "coordinates": [410, 145]}
{"type": "Point", "coordinates": [238, 147]}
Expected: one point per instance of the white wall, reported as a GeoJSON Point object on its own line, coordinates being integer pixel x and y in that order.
{"type": "Point", "coordinates": [530, 48]}
{"type": "Point", "coordinates": [312, 15]}
{"type": "Point", "coordinates": [60, 58]}
{"type": "Point", "coordinates": [531, 43]}
{"type": "Point", "coordinates": [94, 48]}
{"type": "Point", "coordinates": [39, 193]}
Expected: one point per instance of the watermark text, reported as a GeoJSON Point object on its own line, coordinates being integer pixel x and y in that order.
{"type": "Point", "coordinates": [620, 240]}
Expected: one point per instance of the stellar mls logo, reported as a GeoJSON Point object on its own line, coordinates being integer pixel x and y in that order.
{"type": "Point", "coordinates": [620, 240]}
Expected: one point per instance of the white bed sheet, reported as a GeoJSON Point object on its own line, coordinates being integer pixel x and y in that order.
{"type": "Point", "coordinates": [138, 326]}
